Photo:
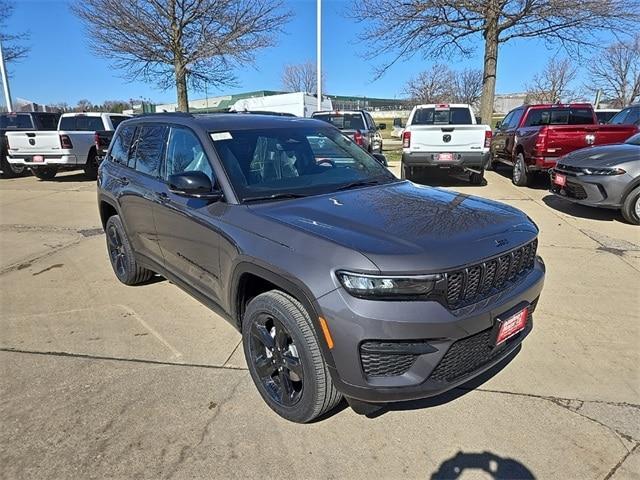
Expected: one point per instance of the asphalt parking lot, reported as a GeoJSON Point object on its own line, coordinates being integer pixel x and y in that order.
{"type": "Point", "coordinates": [99, 380]}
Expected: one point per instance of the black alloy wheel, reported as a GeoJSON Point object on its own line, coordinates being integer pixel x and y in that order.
{"type": "Point", "coordinates": [117, 252]}
{"type": "Point", "coordinates": [276, 360]}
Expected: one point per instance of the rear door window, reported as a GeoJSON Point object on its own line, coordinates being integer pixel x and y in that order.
{"type": "Point", "coordinates": [620, 117]}
{"type": "Point", "coordinates": [343, 121]}
{"type": "Point", "coordinates": [442, 116]}
{"type": "Point", "coordinates": [514, 121]}
{"type": "Point", "coordinates": [149, 145]}
{"type": "Point", "coordinates": [117, 120]}
{"type": "Point", "coordinates": [122, 144]}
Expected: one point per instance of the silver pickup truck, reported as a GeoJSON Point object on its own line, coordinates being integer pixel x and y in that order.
{"type": "Point", "coordinates": [72, 146]}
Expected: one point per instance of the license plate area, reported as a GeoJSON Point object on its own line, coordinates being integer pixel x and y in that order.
{"type": "Point", "coordinates": [37, 159]}
{"type": "Point", "coordinates": [444, 157]}
{"type": "Point", "coordinates": [560, 179]}
{"type": "Point", "coordinates": [510, 323]}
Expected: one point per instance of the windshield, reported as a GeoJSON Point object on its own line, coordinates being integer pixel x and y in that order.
{"type": "Point", "coordinates": [295, 161]}
{"type": "Point", "coordinates": [442, 116]}
{"type": "Point", "coordinates": [634, 140]}
{"type": "Point", "coordinates": [15, 120]}
{"type": "Point", "coordinates": [343, 121]}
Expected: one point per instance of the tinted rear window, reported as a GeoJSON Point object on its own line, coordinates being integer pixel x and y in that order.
{"type": "Point", "coordinates": [604, 117]}
{"type": "Point", "coordinates": [121, 144]}
{"type": "Point", "coordinates": [81, 123]}
{"type": "Point", "coordinates": [47, 121]}
{"type": "Point", "coordinates": [442, 116]}
{"type": "Point", "coordinates": [559, 116]}
{"type": "Point", "coordinates": [15, 120]}
{"type": "Point", "coordinates": [343, 121]}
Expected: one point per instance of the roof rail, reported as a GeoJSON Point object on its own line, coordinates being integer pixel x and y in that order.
{"type": "Point", "coordinates": [164, 114]}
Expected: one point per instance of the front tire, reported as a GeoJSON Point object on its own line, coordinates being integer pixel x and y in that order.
{"type": "Point", "coordinates": [520, 176]}
{"type": "Point", "coordinates": [284, 358]}
{"type": "Point", "coordinates": [631, 207]}
{"type": "Point", "coordinates": [45, 173]}
{"type": "Point", "coordinates": [123, 260]}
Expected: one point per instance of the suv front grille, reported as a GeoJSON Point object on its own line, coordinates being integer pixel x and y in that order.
{"type": "Point", "coordinates": [467, 355]}
{"type": "Point", "coordinates": [478, 282]}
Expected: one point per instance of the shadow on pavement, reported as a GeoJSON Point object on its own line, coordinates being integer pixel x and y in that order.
{"type": "Point", "coordinates": [64, 177]}
{"type": "Point", "coordinates": [497, 467]}
{"type": "Point", "coordinates": [449, 396]}
{"type": "Point", "coordinates": [539, 180]}
{"type": "Point", "coordinates": [444, 178]}
{"type": "Point", "coordinates": [582, 211]}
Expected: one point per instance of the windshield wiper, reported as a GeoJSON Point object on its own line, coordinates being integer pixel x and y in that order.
{"type": "Point", "coordinates": [359, 183]}
{"type": "Point", "coordinates": [274, 196]}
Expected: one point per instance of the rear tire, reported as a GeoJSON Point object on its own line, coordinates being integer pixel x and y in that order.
{"type": "Point", "coordinates": [91, 167]}
{"type": "Point", "coordinates": [491, 163]}
{"type": "Point", "coordinates": [477, 178]}
{"type": "Point", "coordinates": [123, 260]}
{"type": "Point", "coordinates": [520, 176]}
{"type": "Point", "coordinates": [45, 173]}
{"type": "Point", "coordinates": [10, 171]}
{"type": "Point", "coordinates": [631, 207]}
{"type": "Point", "coordinates": [276, 332]}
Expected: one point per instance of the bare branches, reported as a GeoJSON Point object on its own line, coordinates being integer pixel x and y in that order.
{"type": "Point", "coordinates": [441, 84]}
{"type": "Point", "coordinates": [12, 44]}
{"type": "Point", "coordinates": [193, 42]}
{"type": "Point", "coordinates": [301, 78]}
{"type": "Point", "coordinates": [552, 85]}
{"type": "Point", "coordinates": [616, 72]}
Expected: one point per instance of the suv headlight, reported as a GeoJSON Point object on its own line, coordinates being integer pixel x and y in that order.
{"type": "Point", "coordinates": [391, 287]}
{"type": "Point", "coordinates": [603, 171]}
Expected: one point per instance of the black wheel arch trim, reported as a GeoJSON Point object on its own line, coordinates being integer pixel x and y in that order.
{"type": "Point", "coordinates": [629, 188]}
{"type": "Point", "coordinates": [290, 285]}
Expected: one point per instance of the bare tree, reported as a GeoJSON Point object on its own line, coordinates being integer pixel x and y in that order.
{"type": "Point", "coordinates": [115, 106]}
{"type": "Point", "coordinates": [12, 44]}
{"type": "Point", "coordinates": [83, 105]}
{"type": "Point", "coordinates": [617, 72]}
{"type": "Point", "coordinates": [301, 78]}
{"type": "Point", "coordinates": [440, 84]}
{"type": "Point", "coordinates": [467, 87]}
{"type": "Point", "coordinates": [181, 42]}
{"type": "Point", "coordinates": [431, 86]}
{"type": "Point", "coordinates": [552, 85]}
{"type": "Point", "coordinates": [397, 29]}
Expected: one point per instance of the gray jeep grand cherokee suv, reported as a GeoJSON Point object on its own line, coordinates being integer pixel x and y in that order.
{"type": "Point", "coordinates": [342, 279]}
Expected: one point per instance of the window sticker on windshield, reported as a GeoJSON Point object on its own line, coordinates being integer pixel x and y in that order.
{"type": "Point", "coordinates": [217, 136]}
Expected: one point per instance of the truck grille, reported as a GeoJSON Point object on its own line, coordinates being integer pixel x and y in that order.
{"type": "Point", "coordinates": [467, 355]}
{"type": "Point", "coordinates": [477, 282]}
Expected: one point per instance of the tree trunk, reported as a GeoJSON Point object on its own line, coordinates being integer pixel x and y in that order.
{"type": "Point", "coordinates": [181, 88]}
{"type": "Point", "coordinates": [490, 67]}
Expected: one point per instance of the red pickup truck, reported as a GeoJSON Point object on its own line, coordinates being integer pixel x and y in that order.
{"type": "Point", "coordinates": [531, 138]}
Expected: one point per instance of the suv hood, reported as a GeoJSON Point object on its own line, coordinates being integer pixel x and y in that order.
{"type": "Point", "coordinates": [604, 156]}
{"type": "Point", "coordinates": [405, 228]}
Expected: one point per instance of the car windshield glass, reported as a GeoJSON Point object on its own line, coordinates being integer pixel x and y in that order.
{"type": "Point", "coordinates": [343, 121]}
{"type": "Point", "coordinates": [635, 140]}
{"type": "Point", "coordinates": [15, 120]}
{"type": "Point", "coordinates": [296, 161]}
{"type": "Point", "coordinates": [442, 116]}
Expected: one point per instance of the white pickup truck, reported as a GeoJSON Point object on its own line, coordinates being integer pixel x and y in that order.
{"type": "Point", "coordinates": [445, 136]}
{"type": "Point", "coordinates": [72, 146]}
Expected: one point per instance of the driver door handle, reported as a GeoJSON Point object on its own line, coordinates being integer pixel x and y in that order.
{"type": "Point", "coordinates": [162, 197]}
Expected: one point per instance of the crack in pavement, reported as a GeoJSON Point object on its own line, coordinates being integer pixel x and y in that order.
{"type": "Point", "coordinates": [28, 262]}
{"type": "Point", "coordinates": [615, 468]}
{"type": "Point", "coordinates": [87, 356]}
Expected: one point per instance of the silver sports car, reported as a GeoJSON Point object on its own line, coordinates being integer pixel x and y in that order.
{"type": "Point", "coordinates": [606, 176]}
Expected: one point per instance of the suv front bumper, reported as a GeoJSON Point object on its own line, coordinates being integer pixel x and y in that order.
{"type": "Point", "coordinates": [461, 159]}
{"type": "Point", "coordinates": [457, 347]}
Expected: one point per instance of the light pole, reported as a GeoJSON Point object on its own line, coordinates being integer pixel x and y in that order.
{"type": "Point", "coordinates": [319, 52]}
{"type": "Point", "coordinates": [5, 81]}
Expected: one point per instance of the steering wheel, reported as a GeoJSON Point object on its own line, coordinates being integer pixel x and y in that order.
{"type": "Point", "coordinates": [326, 162]}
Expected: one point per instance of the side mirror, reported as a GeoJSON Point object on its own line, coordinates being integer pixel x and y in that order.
{"type": "Point", "coordinates": [498, 124]}
{"type": "Point", "coordinates": [381, 158]}
{"type": "Point", "coordinates": [382, 126]}
{"type": "Point", "coordinates": [193, 185]}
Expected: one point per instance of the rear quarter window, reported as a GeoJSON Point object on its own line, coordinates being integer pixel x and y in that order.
{"type": "Point", "coordinates": [121, 145]}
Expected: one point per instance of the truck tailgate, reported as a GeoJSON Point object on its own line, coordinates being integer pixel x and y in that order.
{"type": "Point", "coordinates": [563, 139]}
{"type": "Point", "coordinates": [33, 142]}
{"type": "Point", "coordinates": [608, 134]}
{"type": "Point", "coordinates": [447, 138]}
